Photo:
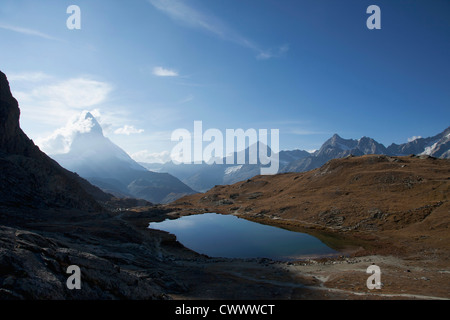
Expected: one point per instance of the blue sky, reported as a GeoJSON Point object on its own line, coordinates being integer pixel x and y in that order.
{"type": "Point", "coordinates": [309, 68]}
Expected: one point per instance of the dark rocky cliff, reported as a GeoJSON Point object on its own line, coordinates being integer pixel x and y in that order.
{"type": "Point", "coordinates": [28, 177]}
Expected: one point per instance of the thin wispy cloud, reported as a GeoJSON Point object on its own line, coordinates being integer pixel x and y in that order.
{"type": "Point", "coordinates": [162, 72]}
{"type": "Point", "coordinates": [180, 12]}
{"type": "Point", "coordinates": [190, 97]}
{"type": "Point", "coordinates": [28, 76]}
{"type": "Point", "coordinates": [301, 132]}
{"type": "Point", "coordinates": [27, 31]}
{"type": "Point", "coordinates": [273, 53]}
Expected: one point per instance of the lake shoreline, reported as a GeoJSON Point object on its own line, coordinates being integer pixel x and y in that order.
{"type": "Point", "coordinates": [409, 271]}
{"type": "Point", "coordinates": [243, 238]}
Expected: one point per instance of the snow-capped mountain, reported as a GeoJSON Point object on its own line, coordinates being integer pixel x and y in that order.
{"type": "Point", "coordinates": [437, 146]}
{"type": "Point", "coordinates": [93, 155]}
{"type": "Point", "coordinates": [95, 158]}
{"type": "Point", "coordinates": [439, 149]}
{"type": "Point", "coordinates": [337, 147]}
{"type": "Point", "coordinates": [203, 177]}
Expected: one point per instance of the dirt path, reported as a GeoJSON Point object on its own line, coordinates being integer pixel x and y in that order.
{"type": "Point", "coordinates": [335, 290]}
{"type": "Point", "coordinates": [332, 279]}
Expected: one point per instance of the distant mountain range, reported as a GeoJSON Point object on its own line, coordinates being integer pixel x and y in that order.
{"type": "Point", "coordinates": [437, 146]}
{"type": "Point", "coordinates": [105, 165]}
{"type": "Point", "coordinates": [203, 177]}
{"type": "Point", "coordinates": [336, 147]}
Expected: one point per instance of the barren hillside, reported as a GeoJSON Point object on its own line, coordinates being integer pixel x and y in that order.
{"type": "Point", "coordinates": [391, 197]}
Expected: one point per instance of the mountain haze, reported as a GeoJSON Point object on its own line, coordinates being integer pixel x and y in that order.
{"type": "Point", "coordinates": [94, 157]}
{"type": "Point", "coordinates": [203, 177]}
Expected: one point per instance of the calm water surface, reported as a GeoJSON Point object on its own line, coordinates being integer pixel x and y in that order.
{"type": "Point", "coordinates": [228, 236]}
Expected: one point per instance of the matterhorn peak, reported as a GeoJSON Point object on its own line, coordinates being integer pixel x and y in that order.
{"type": "Point", "coordinates": [87, 123]}
{"type": "Point", "coordinates": [97, 159]}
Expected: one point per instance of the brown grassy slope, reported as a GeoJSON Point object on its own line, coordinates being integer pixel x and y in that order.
{"type": "Point", "coordinates": [401, 196]}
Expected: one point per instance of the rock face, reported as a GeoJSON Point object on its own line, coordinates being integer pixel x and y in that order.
{"type": "Point", "coordinates": [12, 138]}
{"type": "Point", "coordinates": [29, 178]}
{"type": "Point", "coordinates": [34, 267]}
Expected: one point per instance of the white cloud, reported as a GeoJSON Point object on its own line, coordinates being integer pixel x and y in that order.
{"type": "Point", "coordinates": [149, 157]}
{"type": "Point", "coordinates": [414, 138]}
{"type": "Point", "coordinates": [127, 130]}
{"type": "Point", "coordinates": [61, 139]}
{"type": "Point", "coordinates": [76, 93]}
{"type": "Point", "coordinates": [53, 101]}
{"type": "Point", "coordinates": [26, 31]}
{"type": "Point", "coordinates": [51, 106]}
{"type": "Point", "coordinates": [162, 72]}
